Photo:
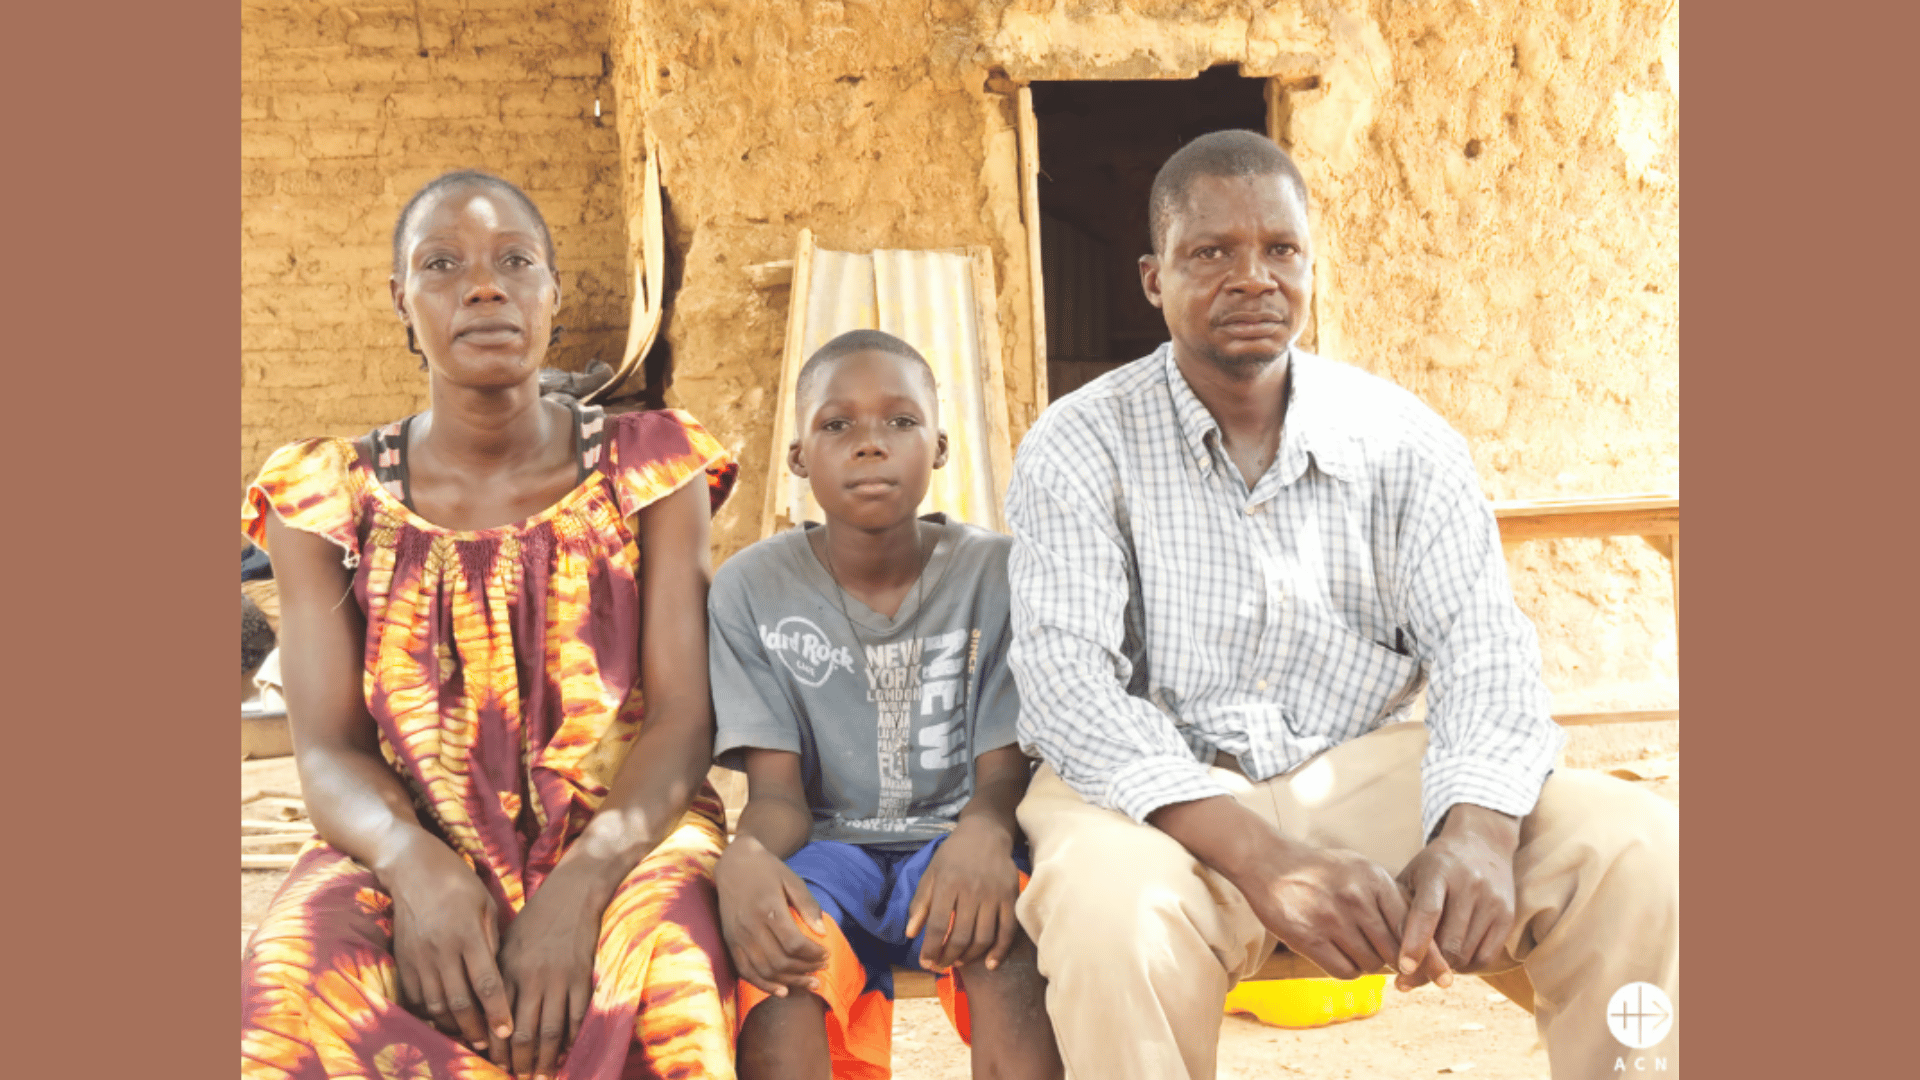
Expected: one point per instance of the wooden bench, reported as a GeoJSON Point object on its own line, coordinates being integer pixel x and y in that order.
{"type": "Point", "coordinates": [1653, 517]}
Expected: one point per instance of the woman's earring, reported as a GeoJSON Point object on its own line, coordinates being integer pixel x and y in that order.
{"type": "Point", "coordinates": [414, 348]}
{"type": "Point", "coordinates": [555, 338]}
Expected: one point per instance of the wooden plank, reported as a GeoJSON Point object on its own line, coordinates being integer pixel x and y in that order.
{"type": "Point", "coordinates": [1596, 504]}
{"type": "Point", "coordinates": [1634, 716]}
{"type": "Point", "coordinates": [303, 828]}
{"type": "Point", "coordinates": [912, 983]}
{"type": "Point", "coordinates": [267, 862]}
{"type": "Point", "coordinates": [1673, 563]}
{"type": "Point", "coordinates": [649, 280]}
{"type": "Point", "coordinates": [1288, 965]}
{"type": "Point", "coordinates": [993, 379]}
{"type": "Point", "coordinates": [771, 275]}
{"type": "Point", "coordinates": [773, 512]}
{"type": "Point", "coordinates": [267, 840]}
{"type": "Point", "coordinates": [1029, 139]}
{"type": "Point", "coordinates": [1566, 526]}
{"type": "Point", "coordinates": [1655, 514]}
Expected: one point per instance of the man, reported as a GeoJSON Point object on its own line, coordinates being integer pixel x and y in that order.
{"type": "Point", "coordinates": [1235, 566]}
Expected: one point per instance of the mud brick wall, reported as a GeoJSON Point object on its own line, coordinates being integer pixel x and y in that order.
{"type": "Point", "coordinates": [1496, 212]}
{"type": "Point", "coordinates": [345, 110]}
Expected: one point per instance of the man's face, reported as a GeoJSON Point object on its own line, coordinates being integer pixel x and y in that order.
{"type": "Point", "coordinates": [1235, 273]}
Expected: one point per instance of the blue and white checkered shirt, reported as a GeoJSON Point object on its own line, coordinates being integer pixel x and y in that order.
{"type": "Point", "coordinates": [1162, 612]}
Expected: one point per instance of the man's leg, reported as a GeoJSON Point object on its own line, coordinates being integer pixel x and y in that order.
{"type": "Point", "coordinates": [1134, 936]}
{"type": "Point", "coordinates": [1596, 896]}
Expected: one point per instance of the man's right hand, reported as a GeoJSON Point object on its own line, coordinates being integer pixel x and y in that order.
{"type": "Point", "coordinates": [446, 936]}
{"type": "Point", "coordinates": [756, 892]}
{"type": "Point", "coordinates": [1337, 908]}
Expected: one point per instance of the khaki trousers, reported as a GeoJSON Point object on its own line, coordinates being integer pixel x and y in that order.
{"type": "Point", "coordinates": [1140, 942]}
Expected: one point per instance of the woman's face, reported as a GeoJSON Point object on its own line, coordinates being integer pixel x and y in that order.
{"type": "Point", "coordinates": [476, 287]}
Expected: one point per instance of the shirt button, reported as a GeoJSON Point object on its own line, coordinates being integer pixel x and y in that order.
{"type": "Point", "coordinates": [1251, 510]}
{"type": "Point", "coordinates": [1261, 685]}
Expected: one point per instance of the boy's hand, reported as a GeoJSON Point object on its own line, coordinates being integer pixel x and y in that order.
{"type": "Point", "coordinates": [966, 897]}
{"type": "Point", "coordinates": [756, 890]}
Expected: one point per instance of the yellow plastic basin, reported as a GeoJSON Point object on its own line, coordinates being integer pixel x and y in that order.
{"type": "Point", "coordinates": [1308, 1003]}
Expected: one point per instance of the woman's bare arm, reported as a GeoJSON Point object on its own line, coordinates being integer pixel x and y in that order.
{"type": "Point", "coordinates": [674, 749]}
{"type": "Point", "coordinates": [445, 928]}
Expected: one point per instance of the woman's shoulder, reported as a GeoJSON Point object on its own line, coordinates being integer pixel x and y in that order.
{"type": "Point", "coordinates": [653, 453]}
{"type": "Point", "coordinates": [310, 484]}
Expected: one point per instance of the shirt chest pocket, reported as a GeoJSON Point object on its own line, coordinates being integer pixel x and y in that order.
{"type": "Point", "coordinates": [1344, 681]}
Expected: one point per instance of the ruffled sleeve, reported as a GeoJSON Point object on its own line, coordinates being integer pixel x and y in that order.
{"type": "Point", "coordinates": [309, 484]}
{"type": "Point", "coordinates": [651, 454]}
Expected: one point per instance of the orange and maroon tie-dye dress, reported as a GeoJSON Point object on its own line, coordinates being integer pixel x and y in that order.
{"type": "Point", "coordinates": [503, 671]}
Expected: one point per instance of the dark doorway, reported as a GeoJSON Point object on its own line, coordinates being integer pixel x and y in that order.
{"type": "Point", "coordinates": [1100, 144]}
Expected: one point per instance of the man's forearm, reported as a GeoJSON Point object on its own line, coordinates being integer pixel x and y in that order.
{"type": "Point", "coordinates": [1500, 832]}
{"type": "Point", "coordinates": [1224, 835]}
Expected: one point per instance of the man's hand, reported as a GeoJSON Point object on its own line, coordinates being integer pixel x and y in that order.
{"type": "Point", "coordinates": [1461, 886]}
{"type": "Point", "coordinates": [548, 965]}
{"type": "Point", "coordinates": [966, 897]}
{"type": "Point", "coordinates": [1337, 908]}
{"type": "Point", "coordinates": [756, 891]}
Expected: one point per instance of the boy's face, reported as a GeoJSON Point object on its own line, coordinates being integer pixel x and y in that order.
{"type": "Point", "coordinates": [869, 439]}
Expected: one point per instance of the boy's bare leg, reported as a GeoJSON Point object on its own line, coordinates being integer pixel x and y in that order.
{"type": "Point", "coordinates": [1012, 1036]}
{"type": "Point", "coordinates": [785, 1039]}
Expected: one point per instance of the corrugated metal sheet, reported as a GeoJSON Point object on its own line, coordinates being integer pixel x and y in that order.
{"type": "Point", "coordinates": [926, 299]}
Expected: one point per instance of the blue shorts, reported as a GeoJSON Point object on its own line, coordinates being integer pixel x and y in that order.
{"type": "Point", "coordinates": [867, 891]}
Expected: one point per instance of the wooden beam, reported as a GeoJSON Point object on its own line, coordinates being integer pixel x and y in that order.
{"type": "Point", "coordinates": [993, 380]}
{"type": "Point", "coordinates": [773, 512]}
{"type": "Point", "coordinates": [1634, 716]}
{"type": "Point", "coordinates": [1553, 519]}
{"type": "Point", "coordinates": [771, 275]}
{"type": "Point", "coordinates": [1029, 139]}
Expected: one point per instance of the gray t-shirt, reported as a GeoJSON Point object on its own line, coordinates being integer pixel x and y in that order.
{"type": "Point", "coordinates": [882, 720]}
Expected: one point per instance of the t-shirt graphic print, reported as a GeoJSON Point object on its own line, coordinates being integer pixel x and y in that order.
{"type": "Point", "coordinates": [883, 719]}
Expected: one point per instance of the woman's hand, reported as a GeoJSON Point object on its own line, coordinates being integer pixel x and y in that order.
{"type": "Point", "coordinates": [756, 891]}
{"type": "Point", "coordinates": [548, 966]}
{"type": "Point", "coordinates": [966, 897]}
{"type": "Point", "coordinates": [446, 931]}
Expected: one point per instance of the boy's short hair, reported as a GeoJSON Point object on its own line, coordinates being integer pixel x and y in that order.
{"type": "Point", "coordinates": [854, 341]}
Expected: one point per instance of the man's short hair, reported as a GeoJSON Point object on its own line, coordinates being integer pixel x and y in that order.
{"type": "Point", "coordinates": [1218, 153]}
{"type": "Point", "coordinates": [854, 341]}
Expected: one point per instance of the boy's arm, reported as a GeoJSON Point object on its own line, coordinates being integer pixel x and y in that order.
{"type": "Point", "coordinates": [966, 896]}
{"type": "Point", "coordinates": [757, 887]}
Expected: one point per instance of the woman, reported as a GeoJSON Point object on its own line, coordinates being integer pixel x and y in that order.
{"type": "Point", "coordinates": [514, 856]}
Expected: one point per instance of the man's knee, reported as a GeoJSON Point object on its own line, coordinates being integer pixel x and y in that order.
{"type": "Point", "coordinates": [1628, 835]}
{"type": "Point", "coordinates": [1101, 899]}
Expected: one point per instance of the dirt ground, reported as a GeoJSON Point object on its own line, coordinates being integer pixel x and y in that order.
{"type": "Point", "coordinates": [1466, 1029]}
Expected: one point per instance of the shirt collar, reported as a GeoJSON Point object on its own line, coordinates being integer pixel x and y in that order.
{"type": "Point", "coordinates": [1311, 428]}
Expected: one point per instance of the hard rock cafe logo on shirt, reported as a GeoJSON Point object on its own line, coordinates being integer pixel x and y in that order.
{"type": "Point", "coordinates": [805, 650]}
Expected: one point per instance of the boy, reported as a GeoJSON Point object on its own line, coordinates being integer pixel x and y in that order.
{"type": "Point", "coordinates": [859, 678]}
